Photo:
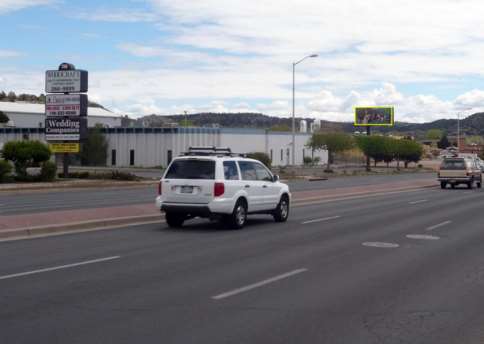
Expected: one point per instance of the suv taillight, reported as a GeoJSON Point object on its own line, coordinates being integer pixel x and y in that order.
{"type": "Point", "coordinates": [159, 189]}
{"type": "Point", "coordinates": [218, 189]}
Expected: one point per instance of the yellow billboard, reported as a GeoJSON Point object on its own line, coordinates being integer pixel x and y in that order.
{"type": "Point", "coordinates": [374, 116]}
{"type": "Point", "coordinates": [64, 147]}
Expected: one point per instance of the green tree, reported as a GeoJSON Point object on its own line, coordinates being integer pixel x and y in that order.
{"type": "Point", "coordinates": [475, 139]}
{"type": "Point", "coordinates": [444, 142]}
{"type": "Point", "coordinates": [334, 142]}
{"type": "Point", "coordinates": [280, 127]}
{"type": "Point", "coordinates": [262, 157]}
{"type": "Point", "coordinates": [434, 134]}
{"type": "Point", "coordinates": [94, 151]}
{"type": "Point", "coordinates": [186, 123]}
{"type": "Point", "coordinates": [11, 96]}
{"type": "Point", "coordinates": [377, 147]}
{"type": "Point", "coordinates": [413, 152]}
{"type": "Point", "coordinates": [3, 117]}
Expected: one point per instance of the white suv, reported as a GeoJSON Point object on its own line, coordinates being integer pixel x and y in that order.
{"type": "Point", "coordinates": [213, 182]}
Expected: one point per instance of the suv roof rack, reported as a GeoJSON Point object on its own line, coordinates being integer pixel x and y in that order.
{"type": "Point", "coordinates": [211, 151]}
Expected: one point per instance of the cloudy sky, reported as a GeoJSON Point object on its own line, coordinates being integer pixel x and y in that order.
{"type": "Point", "coordinates": [425, 57]}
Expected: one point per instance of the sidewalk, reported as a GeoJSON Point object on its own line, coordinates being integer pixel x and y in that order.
{"type": "Point", "coordinates": [13, 226]}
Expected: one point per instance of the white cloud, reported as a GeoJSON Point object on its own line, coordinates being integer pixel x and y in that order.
{"type": "Point", "coordinates": [471, 99]}
{"type": "Point", "coordinates": [119, 15]}
{"type": "Point", "coordinates": [141, 50]}
{"type": "Point", "coordinates": [15, 5]}
{"type": "Point", "coordinates": [9, 53]}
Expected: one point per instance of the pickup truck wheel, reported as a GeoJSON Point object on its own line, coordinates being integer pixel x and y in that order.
{"type": "Point", "coordinates": [237, 219]}
{"type": "Point", "coordinates": [174, 220]}
{"type": "Point", "coordinates": [443, 185]}
{"type": "Point", "coordinates": [281, 213]}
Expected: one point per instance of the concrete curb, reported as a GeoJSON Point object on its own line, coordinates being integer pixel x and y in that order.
{"type": "Point", "coordinates": [35, 231]}
{"type": "Point", "coordinates": [49, 187]}
{"type": "Point", "coordinates": [92, 225]}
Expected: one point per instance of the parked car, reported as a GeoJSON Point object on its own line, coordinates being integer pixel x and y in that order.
{"type": "Point", "coordinates": [459, 170]}
{"type": "Point", "coordinates": [215, 183]}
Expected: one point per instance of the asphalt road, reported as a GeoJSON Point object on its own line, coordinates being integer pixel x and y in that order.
{"type": "Point", "coordinates": [33, 202]}
{"type": "Point", "coordinates": [401, 268]}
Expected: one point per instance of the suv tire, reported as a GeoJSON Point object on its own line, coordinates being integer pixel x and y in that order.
{"type": "Point", "coordinates": [281, 213]}
{"type": "Point", "coordinates": [174, 220]}
{"type": "Point", "coordinates": [443, 185]}
{"type": "Point", "coordinates": [237, 219]}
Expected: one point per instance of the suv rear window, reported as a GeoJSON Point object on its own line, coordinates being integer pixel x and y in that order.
{"type": "Point", "coordinates": [191, 169]}
{"type": "Point", "coordinates": [453, 164]}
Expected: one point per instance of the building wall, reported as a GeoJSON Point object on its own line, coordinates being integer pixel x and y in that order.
{"type": "Point", "coordinates": [150, 147]}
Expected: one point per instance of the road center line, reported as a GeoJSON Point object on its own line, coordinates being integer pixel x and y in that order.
{"type": "Point", "coordinates": [258, 284]}
{"type": "Point", "coordinates": [321, 220]}
{"type": "Point", "coordinates": [100, 260]}
{"type": "Point", "coordinates": [419, 201]}
{"type": "Point", "coordinates": [438, 225]}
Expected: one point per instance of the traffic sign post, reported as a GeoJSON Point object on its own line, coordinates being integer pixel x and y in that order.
{"type": "Point", "coordinates": [66, 110]}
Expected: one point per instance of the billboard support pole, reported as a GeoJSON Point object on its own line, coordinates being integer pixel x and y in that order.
{"type": "Point", "coordinates": [65, 163]}
{"type": "Point", "coordinates": [368, 133]}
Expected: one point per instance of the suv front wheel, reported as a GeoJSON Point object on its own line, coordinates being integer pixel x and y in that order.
{"type": "Point", "coordinates": [281, 213]}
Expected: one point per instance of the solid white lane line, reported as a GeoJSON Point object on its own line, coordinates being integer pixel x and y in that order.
{"type": "Point", "coordinates": [258, 284]}
{"type": "Point", "coordinates": [419, 201]}
{"type": "Point", "coordinates": [422, 237]}
{"type": "Point", "coordinates": [438, 225]}
{"type": "Point", "coordinates": [380, 244]}
{"type": "Point", "coordinates": [59, 267]}
{"type": "Point", "coordinates": [321, 220]}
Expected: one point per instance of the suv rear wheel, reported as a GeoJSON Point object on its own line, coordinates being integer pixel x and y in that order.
{"type": "Point", "coordinates": [174, 220]}
{"type": "Point", "coordinates": [237, 219]}
{"type": "Point", "coordinates": [281, 213]}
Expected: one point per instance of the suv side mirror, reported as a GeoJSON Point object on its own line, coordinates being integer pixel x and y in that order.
{"type": "Point", "coordinates": [275, 178]}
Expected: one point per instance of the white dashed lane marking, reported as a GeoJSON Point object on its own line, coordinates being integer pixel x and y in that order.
{"type": "Point", "coordinates": [59, 267]}
{"type": "Point", "coordinates": [418, 202]}
{"type": "Point", "coordinates": [381, 244]}
{"type": "Point", "coordinates": [258, 284]}
{"type": "Point", "coordinates": [438, 225]}
{"type": "Point", "coordinates": [320, 220]}
{"type": "Point", "coordinates": [422, 237]}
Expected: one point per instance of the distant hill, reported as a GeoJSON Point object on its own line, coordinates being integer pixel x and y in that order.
{"type": "Point", "coordinates": [472, 125]}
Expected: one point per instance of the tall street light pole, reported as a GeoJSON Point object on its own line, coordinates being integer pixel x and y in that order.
{"type": "Point", "coordinates": [294, 106]}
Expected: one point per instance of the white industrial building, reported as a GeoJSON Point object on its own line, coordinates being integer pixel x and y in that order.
{"type": "Point", "coordinates": [28, 115]}
{"type": "Point", "coordinates": [150, 147]}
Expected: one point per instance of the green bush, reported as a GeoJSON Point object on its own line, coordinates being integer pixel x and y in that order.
{"type": "Point", "coordinates": [25, 154]}
{"type": "Point", "coordinates": [262, 157]}
{"type": "Point", "coordinates": [116, 175]}
{"type": "Point", "coordinates": [77, 175]}
{"type": "Point", "coordinates": [48, 171]}
{"type": "Point", "coordinates": [307, 160]}
{"type": "Point", "coordinates": [5, 170]}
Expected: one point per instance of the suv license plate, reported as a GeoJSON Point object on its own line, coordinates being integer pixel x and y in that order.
{"type": "Point", "coordinates": [186, 189]}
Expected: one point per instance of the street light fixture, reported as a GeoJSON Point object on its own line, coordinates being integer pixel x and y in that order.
{"type": "Point", "coordinates": [294, 105]}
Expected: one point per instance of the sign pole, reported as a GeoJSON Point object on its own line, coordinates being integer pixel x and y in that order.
{"type": "Point", "coordinates": [66, 110]}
